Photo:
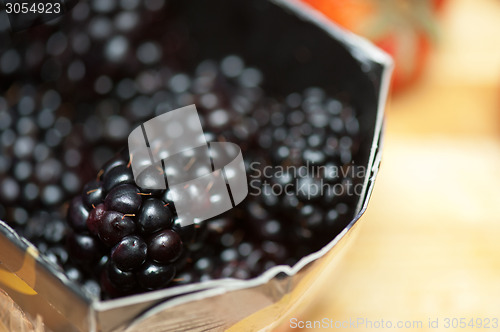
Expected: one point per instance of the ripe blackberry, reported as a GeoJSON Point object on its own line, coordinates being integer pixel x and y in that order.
{"type": "Point", "coordinates": [131, 252]}
{"type": "Point", "coordinates": [130, 226]}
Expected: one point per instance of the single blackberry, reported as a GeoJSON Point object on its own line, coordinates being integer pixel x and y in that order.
{"type": "Point", "coordinates": [130, 226]}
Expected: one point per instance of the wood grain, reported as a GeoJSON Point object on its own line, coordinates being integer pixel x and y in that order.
{"type": "Point", "coordinates": [13, 319]}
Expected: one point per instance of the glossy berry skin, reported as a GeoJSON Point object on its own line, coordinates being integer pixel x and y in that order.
{"type": "Point", "coordinates": [94, 219]}
{"type": "Point", "coordinates": [92, 194]}
{"type": "Point", "coordinates": [114, 226]}
{"type": "Point", "coordinates": [154, 215]}
{"type": "Point", "coordinates": [116, 176]}
{"type": "Point", "coordinates": [130, 253]}
{"type": "Point", "coordinates": [112, 164]}
{"type": "Point", "coordinates": [122, 219]}
{"type": "Point", "coordinates": [165, 247]}
{"type": "Point", "coordinates": [83, 248]}
{"type": "Point", "coordinates": [77, 214]}
{"type": "Point", "coordinates": [121, 279]}
{"type": "Point", "coordinates": [154, 276]}
{"type": "Point", "coordinates": [124, 198]}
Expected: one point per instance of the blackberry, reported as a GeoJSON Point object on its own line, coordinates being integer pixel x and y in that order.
{"type": "Point", "coordinates": [135, 233]}
{"type": "Point", "coordinates": [63, 155]}
{"type": "Point", "coordinates": [124, 198]}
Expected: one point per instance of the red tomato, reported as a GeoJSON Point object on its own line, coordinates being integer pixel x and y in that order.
{"type": "Point", "coordinates": [410, 57]}
{"type": "Point", "coordinates": [394, 26]}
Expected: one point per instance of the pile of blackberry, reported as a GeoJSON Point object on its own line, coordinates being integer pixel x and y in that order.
{"type": "Point", "coordinates": [228, 96]}
{"type": "Point", "coordinates": [109, 220]}
{"type": "Point", "coordinates": [89, 86]}
{"type": "Point", "coordinates": [308, 142]}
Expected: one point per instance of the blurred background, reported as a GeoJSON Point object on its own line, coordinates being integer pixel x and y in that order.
{"type": "Point", "coordinates": [428, 245]}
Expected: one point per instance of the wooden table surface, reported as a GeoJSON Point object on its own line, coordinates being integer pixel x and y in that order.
{"type": "Point", "coordinates": [429, 244]}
